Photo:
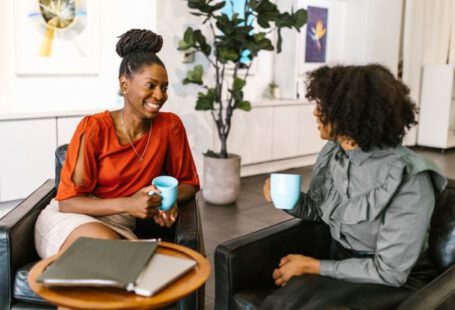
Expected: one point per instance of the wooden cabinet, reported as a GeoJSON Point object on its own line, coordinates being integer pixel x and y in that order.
{"type": "Point", "coordinates": [26, 160]}
{"type": "Point", "coordinates": [273, 131]}
{"type": "Point", "coordinates": [310, 140]}
{"type": "Point", "coordinates": [437, 107]}
{"type": "Point", "coordinates": [27, 157]}
{"type": "Point", "coordinates": [251, 135]}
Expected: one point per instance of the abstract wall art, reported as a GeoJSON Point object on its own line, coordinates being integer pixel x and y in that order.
{"type": "Point", "coordinates": [56, 37]}
{"type": "Point", "coordinates": [316, 36]}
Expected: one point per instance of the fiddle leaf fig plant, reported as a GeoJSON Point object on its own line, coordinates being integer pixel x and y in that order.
{"type": "Point", "coordinates": [232, 43]}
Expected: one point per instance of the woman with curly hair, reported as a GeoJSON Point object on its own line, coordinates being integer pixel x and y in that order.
{"type": "Point", "coordinates": [114, 155]}
{"type": "Point", "coordinates": [376, 196]}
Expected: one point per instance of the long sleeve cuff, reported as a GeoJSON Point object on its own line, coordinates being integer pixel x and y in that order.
{"type": "Point", "coordinates": [327, 268]}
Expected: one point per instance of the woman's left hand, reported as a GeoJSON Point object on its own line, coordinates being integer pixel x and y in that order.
{"type": "Point", "coordinates": [166, 218]}
{"type": "Point", "coordinates": [295, 265]}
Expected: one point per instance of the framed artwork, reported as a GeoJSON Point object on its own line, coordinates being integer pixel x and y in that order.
{"type": "Point", "coordinates": [316, 35]}
{"type": "Point", "coordinates": [57, 37]}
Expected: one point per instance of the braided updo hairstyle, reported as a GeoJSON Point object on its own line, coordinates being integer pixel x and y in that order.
{"type": "Point", "coordinates": [138, 47]}
{"type": "Point", "coordinates": [366, 103]}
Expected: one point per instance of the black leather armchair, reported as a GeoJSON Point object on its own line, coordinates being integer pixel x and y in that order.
{"type": "Point", "coordinates": [18, 254]}
{"type": "Point", "coordinates": [243, 267]}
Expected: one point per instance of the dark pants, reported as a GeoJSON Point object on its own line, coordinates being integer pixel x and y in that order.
{"type": "Point", "coordinates": [318, 292]}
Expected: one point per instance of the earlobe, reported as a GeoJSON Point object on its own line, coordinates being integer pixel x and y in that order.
{"type": "Point", "coordinates": [123, 85]}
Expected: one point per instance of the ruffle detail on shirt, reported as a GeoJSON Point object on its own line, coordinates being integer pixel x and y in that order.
{"type": "Point", "coordinates": [371, 204]}
{"type": "Point", "coordinates": [367, 206]}
{"type": "Point", "coordinates": [416, 164]}
{"type": "Point", "coordinates": [320, 175]}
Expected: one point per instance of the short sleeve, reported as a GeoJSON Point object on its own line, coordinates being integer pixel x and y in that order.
{"type": "Point", "coordinates": [179, 161]}
{"type": "Point", "coordinates": [90, 130]}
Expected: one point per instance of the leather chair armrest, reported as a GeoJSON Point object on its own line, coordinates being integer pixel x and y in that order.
{"type": "Point", "coordinates": [438, 294]}
{"type": "Point", "coordinates": [188, 231]}
{"type": "Point", "coordinates": [248, 262]}
{"type": "Point", "coordinates": [17, 245]}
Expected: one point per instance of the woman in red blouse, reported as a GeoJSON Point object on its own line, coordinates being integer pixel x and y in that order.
{"type": "Point", "coordinates": [113, 156]}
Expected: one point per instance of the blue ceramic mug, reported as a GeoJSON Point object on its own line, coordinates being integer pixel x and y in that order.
{"type": "Point", "coordinates": [168, 188]}
{"type": "Point", "coordinates": [285, 190]}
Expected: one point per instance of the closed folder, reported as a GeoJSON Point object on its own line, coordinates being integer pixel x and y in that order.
{"type": "Point", "coordinates": [130, 265]}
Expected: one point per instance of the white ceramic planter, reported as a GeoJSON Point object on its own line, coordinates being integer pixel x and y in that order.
{"type": "Point", "coordinates": [221, 179]}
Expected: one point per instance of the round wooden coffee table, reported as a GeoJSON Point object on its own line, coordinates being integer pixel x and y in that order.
{"type": "Point", "coordinates": [111, 298]}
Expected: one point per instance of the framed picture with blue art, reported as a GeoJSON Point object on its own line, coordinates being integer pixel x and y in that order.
{"type": "Point", "coordinates": [54, 37]}
{"type": "Point", "coordinates": [316, 35]}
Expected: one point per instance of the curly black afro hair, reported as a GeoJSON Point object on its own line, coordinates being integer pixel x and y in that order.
{"type": "Point", "coordinates": [365, 103]}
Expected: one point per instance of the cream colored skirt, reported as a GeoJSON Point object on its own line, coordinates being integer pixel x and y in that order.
{"type": "Point", "coordinates": [53, 227]}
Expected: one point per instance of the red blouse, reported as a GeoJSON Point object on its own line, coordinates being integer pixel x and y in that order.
{"type": "Point", "coordinates": [114, 170]}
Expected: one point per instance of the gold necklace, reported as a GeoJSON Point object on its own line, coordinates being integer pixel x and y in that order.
{"type": "Point", "coordinates": [141, 157]}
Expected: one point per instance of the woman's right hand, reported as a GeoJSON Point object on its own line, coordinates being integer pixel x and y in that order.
{"type": "Point", "coordinates": [142, 204]}
{"type": "Point", "coordinates": [266, 190]}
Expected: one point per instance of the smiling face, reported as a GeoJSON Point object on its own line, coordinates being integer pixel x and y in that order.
{"type": "Point", "coordinates": [145, 91]}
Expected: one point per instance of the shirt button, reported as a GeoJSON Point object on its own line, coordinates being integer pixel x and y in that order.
{"type": "Point", "coordinates": [345, 182]}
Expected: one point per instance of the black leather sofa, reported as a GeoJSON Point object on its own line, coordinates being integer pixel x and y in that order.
{"type": "Point", "coordinates": [18, 254]}
{"type": "Point", "coordinates": [243, 267]}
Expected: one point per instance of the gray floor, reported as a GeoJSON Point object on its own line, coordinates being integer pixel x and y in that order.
{"type": "Point", "coordinates": [251, 212]}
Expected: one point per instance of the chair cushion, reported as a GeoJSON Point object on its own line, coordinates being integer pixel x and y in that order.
{"type": "Point", "coordinates": [22, 290]}
{"type": "Point", "coordinates": [28, 306]}
{"type": "Point", "coordinates": [251, 299]}
{"type": "Point", "coordinates": [442, 230]}
{"type": "Point", "coordinates": [60, 156]}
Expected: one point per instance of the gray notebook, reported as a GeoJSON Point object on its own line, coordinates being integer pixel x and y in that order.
{"type": "Point", "coordinates": [98, 262]}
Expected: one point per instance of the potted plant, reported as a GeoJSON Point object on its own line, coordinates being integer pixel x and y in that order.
{"type": "Point", "coordinates": [274, 90]}
{"type": "Point", "coordinates": [233, 42]}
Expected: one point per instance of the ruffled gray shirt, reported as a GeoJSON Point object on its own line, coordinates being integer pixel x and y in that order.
{"type": "Point", "coordinates": [379, 202]}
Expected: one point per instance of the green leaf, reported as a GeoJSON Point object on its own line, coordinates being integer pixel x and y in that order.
{"type": "Point", "coordinates": [258, 37]}
{"type": "Point", "coordinates": [266, 44]}
{"type": "Point", "coordinates": [196, 4]}
{"type": "Point", "coordinates": [188, 36]}
{"type": "Point", "coordinates": [263, 22]}
{"type": "Point", "coordinates": [194, 76]}
{"type": "Point", "coordinates": [206, 100]}
{"type": "Point", "coordinates": [225, 55]}
{"type": "Point", "coordinates": [284, 20]}
{"type": "Point", "coordinates": [300, 18]}
{"type": "Point", "coordinates": [237, 95]}
{"type": "Point", "coordinates": [182, 45]}
{"type": "Point", "coordinates": [201, 41]}
{"type": "Point", "coordinates": [238, 84]}
{"type": "Point", "coordinates": [244, 105]}
{"type": "Point", "coordinates": [218, 6]}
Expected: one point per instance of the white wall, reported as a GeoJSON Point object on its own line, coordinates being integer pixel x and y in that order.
{"type": "Point", "coordinates": [29, 94]}
{"type": "Point", "coordinates": [359, 32]}
{"type": "Point", "coordinates": [373, 32]}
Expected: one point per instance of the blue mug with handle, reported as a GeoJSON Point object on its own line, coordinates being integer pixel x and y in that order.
{"type": "Point", "coordinates": [285, 190]}
{"type": "Point", "coordinates": [168, 187]}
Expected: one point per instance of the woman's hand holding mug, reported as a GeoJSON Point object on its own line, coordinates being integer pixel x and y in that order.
{"type": "Point", "coordinates": [168, 189]}
{"type": "Point", "coordinates": [142, 205]}
{"type": "Point", "coordinates": [266, 190]}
